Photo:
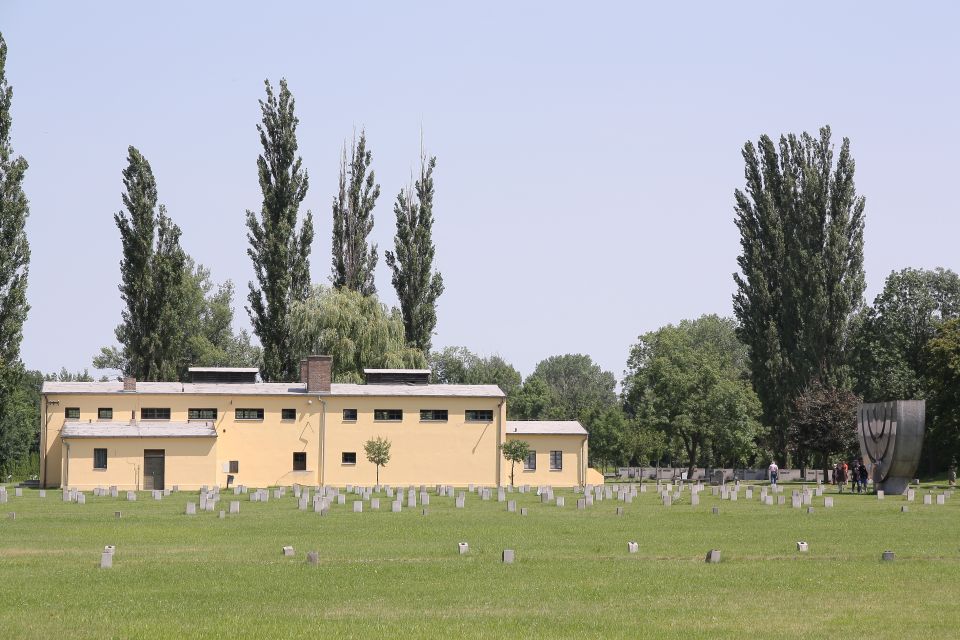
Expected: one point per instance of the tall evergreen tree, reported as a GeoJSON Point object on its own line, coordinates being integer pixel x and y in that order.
{"type": "Point", "coordinates": [354, 260]}
{"type": "Point", "coordinates": [15, 425]}
{"type": "Point", "coordinates": [417, 285]}
{"type": "Point", "coordinates": [801, 234]}
{"type": "Point", "coordinates": [151, 277]}
{"type": "Point", "coordinates": [280, 253]}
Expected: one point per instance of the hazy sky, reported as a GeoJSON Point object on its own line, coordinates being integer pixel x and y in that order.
{"type": "Point", "coordinates": [587, 152]}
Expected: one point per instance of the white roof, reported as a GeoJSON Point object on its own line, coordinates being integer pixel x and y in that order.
{"type": "Point", "coordinates": [225, 369]}
{"type": "Point", "coordinates": [281, 388]}
{"type": "Point", "coordinates": [546, 427]}
{"type": "Point", "coordinates": [139, 430]}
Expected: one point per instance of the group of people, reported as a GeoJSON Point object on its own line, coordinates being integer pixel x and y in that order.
{"type": "Point", "coordinates": [855, 473]}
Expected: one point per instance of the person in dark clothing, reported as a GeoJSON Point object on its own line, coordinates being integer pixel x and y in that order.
{"type": "Point", "coordinates": [862, 474]}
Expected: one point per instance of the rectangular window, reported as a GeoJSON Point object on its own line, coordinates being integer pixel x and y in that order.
{"type": "Point", "coordinates": [99, 458]}
{"type": "Point", "coordinates": [249, 414]}
{"type": "Point", "coordinates": [479, 415]}
{"type": "Point", "coordinates": [393, 415]}
{"type": "Point", "coordinates": [288, 414]}
{"type": "Point", "coordinates": [299, 460]}
{"type": "Point", "coordinates": [154, 413]}
{"type": "Point", "coordinates": [556, 460]}
{"type": "Point", "coordinates": [348, 457]}
{"type": "Point", "coordinates": [72, 413]}
{"type": "Point", "coordinates": [433, 415]}
{"type": "Point", "coordinates": [350, 415]}
{"type": "Point", "coordinates": [201, 414]}
{"type": "Point", "coordinates": [234, 466]}
{"type": "Point", "coordinates": [530, 463]}
{"type": "Point", "coordinates": [105, 413]}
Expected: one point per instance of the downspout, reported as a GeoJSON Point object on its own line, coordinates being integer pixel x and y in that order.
{"type": "Point", "coordinates": [66, 467]}
{"type": "Point", "coordinates": [500, 427]}
{"type": "Point", "coordinates": [43, 440]}
{"type": "Point", "coordinates": [323, 434]}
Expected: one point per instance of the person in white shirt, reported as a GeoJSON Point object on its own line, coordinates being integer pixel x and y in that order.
{"type": "Point", "coordinates": [774, 472]}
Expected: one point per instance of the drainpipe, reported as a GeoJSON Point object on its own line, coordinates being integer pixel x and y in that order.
{"type": "Point", "coordinates": [66, 466]}
{"type": "Point", "coordinates": [43, 440]}
{"type": "Point", "coordinates": [323, 434]}
{"type": "Point", "coordinates": [499, 436]}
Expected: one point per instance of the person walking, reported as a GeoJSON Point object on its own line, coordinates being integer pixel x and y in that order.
{"type": "Point", "coordinates": [862, 475]}
{"type": "Point", "coordinates": [774, 472]}
{"type": "Point", "coordinates": [841, 474]}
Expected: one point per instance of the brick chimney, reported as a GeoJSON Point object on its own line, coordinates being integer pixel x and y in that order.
{"type": "Point", "coordinates": [129, 383]}
{"type": "Point", "coordinates": [319, 370]}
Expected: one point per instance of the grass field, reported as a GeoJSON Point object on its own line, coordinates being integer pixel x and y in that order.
{"type": "Point", "coordinates": [384, 574]}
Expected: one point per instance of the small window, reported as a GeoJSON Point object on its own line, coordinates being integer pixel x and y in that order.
{"type": "Point", "coordinates": [234, 466]}
{"type": "Point", "coordinates": [249, 414]}
{"type": "Point", "coordinates": [530, 463]}
{"type": "Point", "coordinates": [72, 413]}
{"type": "Point", "coordinates": [299, 460]}
{"type": "Point", "coordinates": [99, 458]}
{"type": "Point", "coordinates": [433, 415]}
{"type": "Point", "coordinates": [105, 413]}
{"type": "Point", "coordinates": [350, 415]}
{"type": "Point", "coordinates": [153, 413]}
{"type": "Point", "coordinates": [288, 414]}
{"type": "Point", "coordinates": [479, 415]}
{"type": "Point", "coordinates": [201, 414]}
{"type": "Point", "coordinates": [348, 457]}
{"type": "Point", "coordinates": [393, 415]}
{"type": "Point", "coordinates": [556, 460]}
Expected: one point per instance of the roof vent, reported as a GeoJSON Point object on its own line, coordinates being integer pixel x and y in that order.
{"type": "Point", "coordinates": [223, 375]}
{"type": "Point", "coordinates": [397, 376]}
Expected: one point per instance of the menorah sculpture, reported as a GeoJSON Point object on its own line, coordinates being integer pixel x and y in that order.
{"type": "Point", "coordinates": [891, 436]}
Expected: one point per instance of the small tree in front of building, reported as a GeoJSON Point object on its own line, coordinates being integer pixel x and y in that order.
{"type": "Point", "coordinates": [378, 452]}
{"type": "Point", "coordinates": [515, 451]}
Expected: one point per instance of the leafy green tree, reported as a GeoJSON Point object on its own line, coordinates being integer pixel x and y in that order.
{"type": "Point", "coordinates": [459, 365]}
{"type": "Point", "coordinates": [354, 261]}
{"type": "Point", "coordinates": [824, 422]}
{"type": "Point", "coordinates": [691, 382]}
{"type": "Point", "coordinates": [889, 339]}
{"type": "Point", "coordinates": [357, 330]}
{"type": "Point", "coordinates": [151, 277]}
{"type": "Point", "coordinates": [515, 451]}
{"type": "Point", "coordinates": [942, 364]}
{"type": "Point", "coordinates": [576, 386]}
{"type": "Point", "coordinates": [14, 269]}
{"type": "Point", "coordinates": [280, 254]}
{"type": "Point", "coordinates": [417, 285]}
{"type": "Point", "coordinates": [378, 453]}
{"type": "Point", "coordinates": [801, 268]}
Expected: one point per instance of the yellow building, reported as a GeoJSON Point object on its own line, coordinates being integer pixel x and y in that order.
{"type": "Point", "coordinates": [224, 427]}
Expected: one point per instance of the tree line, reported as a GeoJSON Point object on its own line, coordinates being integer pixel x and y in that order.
{"type": "Point", "coordinates": [778, 379]}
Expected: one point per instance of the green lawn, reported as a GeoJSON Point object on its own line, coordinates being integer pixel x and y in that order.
{"type": "Point", "coordinates": [384, 574]}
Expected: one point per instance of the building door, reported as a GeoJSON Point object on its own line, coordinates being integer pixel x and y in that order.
{"type": "Point", "coordinates": [153, 469]}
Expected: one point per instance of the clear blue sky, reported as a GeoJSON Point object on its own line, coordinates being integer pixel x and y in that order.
{"type": "Point", "coordinates": [587, 152]}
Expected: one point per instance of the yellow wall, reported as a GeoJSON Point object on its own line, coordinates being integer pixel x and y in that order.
{"type": "Point", "coordinates": [574, 448]}
{"type": "Point", "coordinates": [189, 462]}
{"type": "Point", "coordinates": [452, 452]}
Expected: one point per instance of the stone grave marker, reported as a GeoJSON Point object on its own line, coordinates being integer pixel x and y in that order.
{"type": "Point", "coordinates": [941, 499]}
{"type": "Point", "coordinates": [904, 509]}
{"type": "Point", "coordinates": [287, 552]}
{"type": "Point", "coordinates": [81, 498]}
{"type": "Point", "coordinates": [694, 499]}
{"type": "Point", "coordinates": [341, 499]}
{"type": "Point", "coordinates": [512, 506]}
{"type": "Point", "coordinates": [619, 511]}
{"type": "Point", "coordinates": [523, 511]}
{"type": "Point", "coordinates": [828, 502]}
{"type": "Point", "coordinates": [809, 509]}
{"type": "Point", "coordinates": [358, 506]}
{"type": "Point", "coordinates": [879, 495]}
{"type": "Point", "coordinates": [581, 504]}
{"type": "Point", "coordinates": [395, 506]}
{"type": "Point", "coordinates": [117, 514]}
{"type": "Point", "coordinates": [887, 556]}
{"type": "Point", "coordinates": [461, 501]}
{"type": "Point", "coordinates": [715, 510]}
{"type": "Point", "coordinates": [191, 508]}
{"type": "Point", "coordinates": [911, 494]}
{"type": "Point", "coordinates": [375, 504]}
{"type": "Point", "coordinates": [42, 493]}
{"type": "Point", "coordinates": [803, 547]}
{"type": "Point", "coordinates": [781, 500]}
{"type": "Point", "coordinates": [560, 501]}
{"type": "Point", "coordinates": [463, 548]}
{"type": "Point", "coordinates": [632, 547]}
{"type": "Point", "coordinates": [18, 492]}
{"type": "Point", "coordinates": [223, 514]}
{"type": "Point", "coordinates": [508, 556]}
{"type": "Point", "coordinates": [927, 499]}
{"type": "Point", "coordinates": [713, 556]}
{"type": "Point", "coordinates": [106, 560]}
{"type": "Point", "coordinates": [313, 557]}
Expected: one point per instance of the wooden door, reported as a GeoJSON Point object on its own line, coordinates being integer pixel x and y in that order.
{"type": "Point", "coordinates": [153, 469]}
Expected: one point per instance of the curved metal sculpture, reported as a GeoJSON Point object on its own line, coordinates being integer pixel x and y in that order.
{"type": "Point", "coordinates": [891, 437]}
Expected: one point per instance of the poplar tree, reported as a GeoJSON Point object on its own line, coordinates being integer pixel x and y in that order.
{"type": "Point", "coordinates": [417, 285]}
{"type": "Point", "coordinates": [801, 268]}
{"type": "Point", "coordinates": [354, 260]}
{"type": "Point", "coordinates": [280, 253]}
{"type": "Point", "coordinates": [151, 278]}
{"type": "Point", "coordinates": [15, 424]}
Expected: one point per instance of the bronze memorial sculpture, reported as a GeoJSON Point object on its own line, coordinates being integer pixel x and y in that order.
{"type": "Point", "coordinates": [891, 436]}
